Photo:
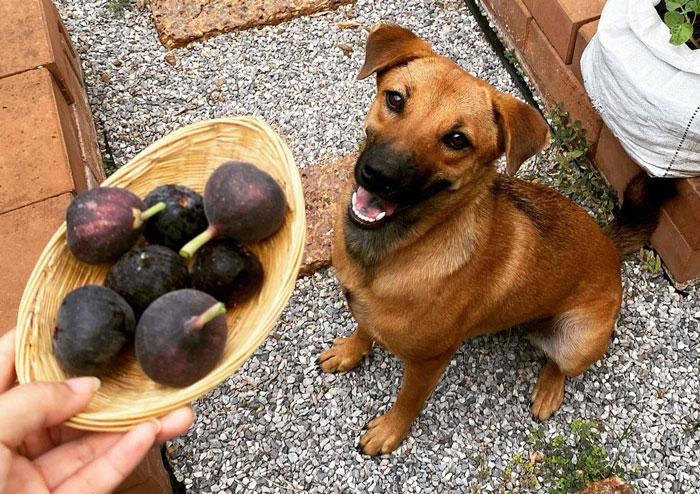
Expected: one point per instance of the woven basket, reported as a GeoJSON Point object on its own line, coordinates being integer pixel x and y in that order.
{"type": "Point", "coordinates": [187, 156]}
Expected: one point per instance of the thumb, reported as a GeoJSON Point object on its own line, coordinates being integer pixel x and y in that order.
{"type": "Point", "coordinates": [30, 407]}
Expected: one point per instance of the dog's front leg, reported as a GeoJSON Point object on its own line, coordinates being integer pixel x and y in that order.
{"type": "Point", "coordinates": [385, 433]}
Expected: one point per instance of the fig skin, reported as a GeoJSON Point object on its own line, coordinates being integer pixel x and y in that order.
{"type": "Point", "coordinates": [104, 222]}
{"type": "Point", "coordinates": [227, 271]}
{"type": "Point", "coordinates": [93, 325]}
{"type": "Point", "coordinates": [181, 337]}
{"type": "Point", "coordinates": [242, 203]}
{"type": "Point", "coordinates": [145, 273]}
{"type": "Point", "coordinates": [181, 220]}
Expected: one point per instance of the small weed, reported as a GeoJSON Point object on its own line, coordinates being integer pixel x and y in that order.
{"type": "Point", "coordinates": [692, 428]}
{"type": "Point", "coordinates": [108, 156]}
{"type": "Point", "coordinates": [650, 260]}
{"type": "Point", "coordinates": [576, 175]}
{"type": "Point", "coordinates": [512, 57]}
{"type": "Point", "coordinates": [118, 5]}
{"type": "Point", "coordinates": [568, 465]}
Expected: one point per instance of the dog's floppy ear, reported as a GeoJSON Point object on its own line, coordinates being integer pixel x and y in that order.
{"type": "Point", "coordinates": [389, 45]}
{"type": "Point", "coordinates": [523, 131]}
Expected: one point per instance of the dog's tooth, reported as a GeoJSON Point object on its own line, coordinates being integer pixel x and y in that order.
{"type": "Point", "coordinates": [354, 199]}
{"type": "Point", "coordinates": [381, 215]}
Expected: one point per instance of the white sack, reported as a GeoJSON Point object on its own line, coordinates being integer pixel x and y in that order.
{"type": "Point", "coordinates": [646, 89]}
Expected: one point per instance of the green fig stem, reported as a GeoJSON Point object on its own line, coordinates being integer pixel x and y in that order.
{"type": "Point", "coordinates": [141, 216]}
{"type": "Point", "coordinates": [198, 322]}
{"type": "Point", "coordinates": [193, 245]}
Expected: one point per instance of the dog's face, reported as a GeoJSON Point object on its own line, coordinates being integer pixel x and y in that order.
{"type": "Point", "coordinates": [433, 128]}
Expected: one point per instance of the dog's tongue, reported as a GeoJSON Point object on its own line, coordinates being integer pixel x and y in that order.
{"type": "Point", "coordinates": [372, 206]}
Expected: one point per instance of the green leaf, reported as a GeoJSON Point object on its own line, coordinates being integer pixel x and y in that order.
{"type": "Point", "coordinates": [575, 154]}
{"type": "Point", "coordinates": [672, 19]}
{"type": "Point", "coordinates": [674, 4]}
{"type": "Point", "coordinates": [681, 33]}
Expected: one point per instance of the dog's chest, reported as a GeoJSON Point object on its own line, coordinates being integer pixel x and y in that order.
{"type": "Point", "coordinates": [397, 315]}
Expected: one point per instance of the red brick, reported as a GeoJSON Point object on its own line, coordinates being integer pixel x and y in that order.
{"type": "Point", "coordinates": [680, 259]}
{"type": "Point", "coordinates": [149, 477]}
{"type": "Point", "coordinates": [557, 82]}
{"type": "Point", "coordinates": [26, 232]}
{"type": "Point", "coordinates": [560, 20]}
{"type": "Point", "coordinates": [513, 17]}
{"type": "Point", "coordinates": [33, 36]}
{"type": "Point", "coordinates": [614, 162]}
{"type": "Point", "coordinates": [39, 151]}
{"type": "Point", "coordinates": [584, 36]}
{"type": "Point", "coordinates": [684, 210]}
{"type": "Point", "coordinates": [530, 4]}
{"type": "Point", "coordinates": [87, 137]}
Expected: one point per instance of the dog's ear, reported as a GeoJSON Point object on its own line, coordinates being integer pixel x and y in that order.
{"type": "Point", "coordinates": [389, 45]}
{"type": "Point", "coordinates": [522, 130]}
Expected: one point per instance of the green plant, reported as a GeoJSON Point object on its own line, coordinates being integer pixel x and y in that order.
{"type": "Point", "coordinates": [118, 5]}
{"type": "Point", "coordinates": [678, 19]}
{"type": "Point", "coordinates": [650, 260]}
{"type": "Point", "coordinates": [576, 176]}
{"type": "Point", "coordinates": [569, 464]}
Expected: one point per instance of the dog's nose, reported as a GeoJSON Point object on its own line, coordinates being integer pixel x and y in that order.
{"type": "Point", "coordinates": [380, 179]}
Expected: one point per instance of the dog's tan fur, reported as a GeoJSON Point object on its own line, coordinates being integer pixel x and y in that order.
{"type": "Point", "coordinates": [489, 253]}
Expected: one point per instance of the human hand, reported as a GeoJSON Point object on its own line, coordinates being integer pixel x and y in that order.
{"type": "Point", "coordinates": [57, 459]}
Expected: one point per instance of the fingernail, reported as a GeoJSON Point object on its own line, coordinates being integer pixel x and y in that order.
{"type": "Point", "coordinates": [84, 385]}
{"type": "Point", "coordinates": [157, 424]}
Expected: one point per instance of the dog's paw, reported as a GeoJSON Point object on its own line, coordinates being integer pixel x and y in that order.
{"type": "Point", "coordinates": [548, 393]}
{"type": "Point", "coordinates": [384, 434]}
{"type": "Point", "coordinates": [343, 356]}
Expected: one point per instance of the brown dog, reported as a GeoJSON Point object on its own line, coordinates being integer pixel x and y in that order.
{"type": "Point", "coordinates": [433, 246]}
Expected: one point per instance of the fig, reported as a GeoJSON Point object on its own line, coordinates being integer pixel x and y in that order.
{"type": "Point", "coordinates": [181, 220]}
{"type": "Point", "coordinates": [145, 273]}
{"type": "Point", "coordinates": [93, 324]}
{"type": "Point", "coordinates": [227, 272]}
{"type": "Point", "coordinates": [104, 222]}
{"type": "Point", "coordinates": [242, 203]}
{"type": "Point", "coordinates": [180, 337]}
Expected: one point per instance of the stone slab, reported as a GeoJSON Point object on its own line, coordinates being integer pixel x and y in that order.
{"type": "Point", "coordinates": [323, 185]}
{"type": "Point", "coordinates": [181, 21]}
{"type": "Point", "coordinates": [613, 485]}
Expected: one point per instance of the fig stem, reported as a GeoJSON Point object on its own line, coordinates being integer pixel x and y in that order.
{"type": "Point", "coordinates": [141, 216]}
{"type": "Point", "coordinates": [193, 245]}
{"type": "Point", "coordinates": [198, 322]}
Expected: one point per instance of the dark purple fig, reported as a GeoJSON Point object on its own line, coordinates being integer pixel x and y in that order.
{"type": "Point", "coordinates": [227, 272]}
{"type": "Point", "coordinates": [180, 337]}
{"type": "Point", "coordinates": [242, 203]}
{"type": "Point", "coordinates": [93, 324]}
{"type": "Point", "coordinates": [104, 222]}
{"type": "Point", "coordinates": [145, 273]}
{"type": "Point", "coordinates": [181, 220]}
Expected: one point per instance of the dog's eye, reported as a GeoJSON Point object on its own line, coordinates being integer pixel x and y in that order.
{"type": "Point", "coordinates": [456, 140]}
{"type": "Point", "coordinates": [394, 101]}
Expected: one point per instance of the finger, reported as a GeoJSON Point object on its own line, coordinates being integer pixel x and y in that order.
{"type": "Point", "coordinates": [60, 463]}
{"type": "Point", "coordinates": [106, 472]}
{"type": "Point", "coordinates": [175, 423]}
{"type": "Point", "coordinates": [5, 460]}
{"type": "Point", "coordinates": [34, 406]}
{"type": "Point", "coordinates": [7, 360]}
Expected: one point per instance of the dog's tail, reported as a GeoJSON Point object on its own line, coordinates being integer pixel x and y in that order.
{"type": "Point", "coordinates": [639, 214]}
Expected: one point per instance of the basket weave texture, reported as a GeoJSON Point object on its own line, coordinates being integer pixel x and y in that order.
{"type": "Point", "coordinates": [187, 156]}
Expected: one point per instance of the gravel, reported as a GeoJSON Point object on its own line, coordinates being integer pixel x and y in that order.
{"type": "Point", "coordinates": [279, 424]}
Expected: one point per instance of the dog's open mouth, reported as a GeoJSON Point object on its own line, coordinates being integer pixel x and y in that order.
{"type": "Point", "coordinates": [368, 209]}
